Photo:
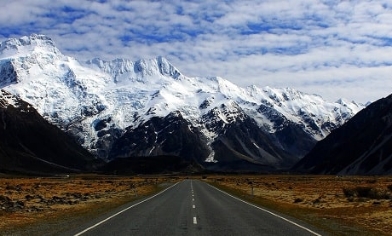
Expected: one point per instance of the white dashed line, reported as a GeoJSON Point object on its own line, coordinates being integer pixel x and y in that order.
{"type": "Point", "coordinates": [193, 205]}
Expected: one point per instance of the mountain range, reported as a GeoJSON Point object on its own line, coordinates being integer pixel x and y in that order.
{"type": "Point", "coordinates": [123, 108]}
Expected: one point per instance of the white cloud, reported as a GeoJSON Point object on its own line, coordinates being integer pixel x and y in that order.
{"type": "Point", "coordinates": [332, 48]}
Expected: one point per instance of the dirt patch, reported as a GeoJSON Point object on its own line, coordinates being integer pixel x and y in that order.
{"type": "Point", "coordinates": [49, 205]}
{"type": "Point", "coordinates": [340, 205]}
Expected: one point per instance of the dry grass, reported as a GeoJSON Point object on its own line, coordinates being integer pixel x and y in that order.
{"type": "Point", "coordinates": [341, 205]}
{"type": "Point", "coordinates": [33, 202]}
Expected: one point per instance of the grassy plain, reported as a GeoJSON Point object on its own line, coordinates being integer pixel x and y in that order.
{"type": "Point", "coordinates": [46, 206]}
{"type": "Point", "coordinates": [341, 205]}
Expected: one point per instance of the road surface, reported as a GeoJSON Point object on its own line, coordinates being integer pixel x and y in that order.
{"type": "Point", "coordinates": [192, 207]}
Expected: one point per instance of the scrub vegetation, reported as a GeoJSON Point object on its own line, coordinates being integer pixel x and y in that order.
{"type": "Point", "coordinates": [49, 205]}
{"type": "Point", "coordinates": [341, 205]}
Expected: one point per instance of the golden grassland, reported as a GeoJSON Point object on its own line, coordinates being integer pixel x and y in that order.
{"type": "Point", "coordinates": [340, 205]}
{"type": "Point", "coordinates": [49, 205]}
{"type": "Point", "coordinates": [350, 205]}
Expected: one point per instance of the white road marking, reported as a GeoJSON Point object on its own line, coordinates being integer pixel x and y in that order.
{"type": "Point", "coordinates": [118, 213]}
{"type": "Point", "coordinates": [269, 212]}
{"type": "Point", "coordinates": [193, 205]}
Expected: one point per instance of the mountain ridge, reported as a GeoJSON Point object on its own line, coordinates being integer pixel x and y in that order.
{"type": "Point", "coordinates": [362, 146]}
{"type": "Point", "coordinates": [100, 101]}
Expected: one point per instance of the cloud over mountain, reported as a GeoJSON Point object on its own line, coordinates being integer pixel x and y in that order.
{"type": "Point", "coordinates": [333, 48]}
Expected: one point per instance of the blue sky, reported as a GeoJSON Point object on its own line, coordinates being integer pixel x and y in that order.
{"type": "Point", "coordinates": [332, 48]}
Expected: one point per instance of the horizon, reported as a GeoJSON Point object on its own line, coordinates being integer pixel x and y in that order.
{"type": "Point", "coordinates": [333, 49]}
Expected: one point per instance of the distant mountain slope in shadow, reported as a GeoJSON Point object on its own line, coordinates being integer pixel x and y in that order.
{"type": "Point", "coordinates": [163, 164]}
{"type": "Point", "coordinates": [29, 144]}
{"type": "Point", "coordinates": [361, 146]}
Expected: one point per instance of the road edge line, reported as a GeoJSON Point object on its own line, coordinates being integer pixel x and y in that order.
{"type": "Point", "coordinates": [267, 211]}
{"type": "Point", "coordinates": [118, 213]}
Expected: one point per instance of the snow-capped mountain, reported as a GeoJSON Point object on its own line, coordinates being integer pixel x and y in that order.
{"type": "Point", "coordinates": [103, 103]}
{"type": "Point", "coordinates": [362, 146]}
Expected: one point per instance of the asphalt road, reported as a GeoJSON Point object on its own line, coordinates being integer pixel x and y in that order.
{"type": "Point", "coordinates": [192, 207]}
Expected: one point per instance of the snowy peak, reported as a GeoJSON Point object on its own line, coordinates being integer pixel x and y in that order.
{"type": "Point", "coordinates": [27, 56]}
{"type": "Point", "coordinates": [58, 86]}
{"type": "Point", "coordinates": [280, 95]}
{"type": "Point", "coordinates": [134, 70]}
{"type": "Point", "coordinates": [99, 101]}
{"type": "Point", "coordinates": [350, 105]}
{"type": "Point", "coordinates": [26, 45]}
{"type": "Point", "coordinates": [278, 106]}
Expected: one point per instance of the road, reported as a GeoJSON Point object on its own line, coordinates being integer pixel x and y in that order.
{"type": "Point", "coordinates": [193, 207]}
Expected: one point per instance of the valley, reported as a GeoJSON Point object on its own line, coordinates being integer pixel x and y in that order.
{"type": "Point", "coordinates": [339, 205]}
{"type": "Point", "coordinates": [195, 118]}
{"type": "Point", "coordinates": [143, 119]}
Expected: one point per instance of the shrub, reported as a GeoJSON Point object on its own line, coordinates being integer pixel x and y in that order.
{"type": "Point", "coordinates": [349, 192]}
{"type": "Point", "coordinates": [298, 200]}
{"type": "Point", "coordinates": [379, 194]}
{"type": "Point", "coordinates": [372, 181]}
{"type": "Point", "coordinates": [389, 187]}
{"type": "Point", "coordinates": [317, 201]}
{"type": "Point", "coordinates": [366, 192]}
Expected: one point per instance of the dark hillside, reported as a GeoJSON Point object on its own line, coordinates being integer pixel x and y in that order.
{"type": "Point", "coordinates": [151, 165]}
{"type": "Point", "coordinates": [29, 144]}
{"type": "Point", "coordinates": [361, 146]}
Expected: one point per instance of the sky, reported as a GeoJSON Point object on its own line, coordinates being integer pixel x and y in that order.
{"type": "Point", "coordinates": [333, 48]}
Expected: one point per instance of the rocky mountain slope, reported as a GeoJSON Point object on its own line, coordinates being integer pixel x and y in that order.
{"type": "Point", "coordinates": [361, 146]}
{"type": "Point", "coordinates": [148, 107]}
{"type": "Point", "coordinates": [29, 144]}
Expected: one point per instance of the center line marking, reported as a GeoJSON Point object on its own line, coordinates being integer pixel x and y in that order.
{"type": "Point", "coordinates": [194, 220]}
{"type": "Point", "coordinates": [193, 206]}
